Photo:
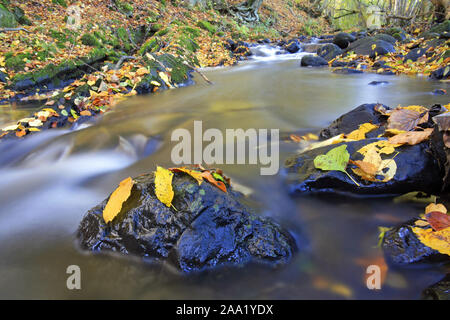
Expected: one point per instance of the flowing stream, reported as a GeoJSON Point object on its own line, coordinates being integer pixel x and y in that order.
{"type": "Point", "coordinates": [49, 180]}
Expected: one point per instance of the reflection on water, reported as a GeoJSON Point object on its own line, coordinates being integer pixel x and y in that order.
{"type": "Point", "coordinates": [51, 179]}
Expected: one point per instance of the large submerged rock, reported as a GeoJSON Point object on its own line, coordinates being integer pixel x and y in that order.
{"type": "Point", "coordinates": [420, 167]}
{"type": "Point", "coordinates": [438, 291]}
{"type": "Point", "coordinates": [208, 228]}
{"type": "Point", "coordinates": [417, 170]}
{"type": "Point", "coordinates": [401, 246]}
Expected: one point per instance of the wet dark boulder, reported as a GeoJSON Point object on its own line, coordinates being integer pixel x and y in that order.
{"type": "Point", "coordinates": [377, 83]}
{"type": "Point", "coordinates": [417, 170]}
{"type": "Point", "coordinates": [339, 64]}
{"type": "Point", "coordinates": [351, 120]}
{"type": "Point", "coordinates": [347, 71]}
{"type": "Point", "coordinates": [293, 46]}
{"type": "Point", "coordinates": [311, 47]}
{"type": "Point", "coordinates": [329, 51]}
{"type": "Point", "coordinates": [209, 228]}
{"type": "Point", "coordinates": [3, 77]}
{"type": "Point", "coordinates": [342, 39]}
{"type": "Point", "coordinates": [438, 291]}
{"type": "Point", "coordinates": [313, 61]}
{"type": "Point", "coordinates": [386, 37]}
{"type": "Point", "coordinates": [441, 73]}
{"type": "Point", "coordinates": [401, 246]}
{"type": "Point", "coordinates": [415, 54]}
{"type": "Point", "coordinates": [371, 46]}
{"type": "Point", "coordinates": [439, 92]}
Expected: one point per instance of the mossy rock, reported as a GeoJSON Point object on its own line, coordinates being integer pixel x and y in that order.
{"type": "Point", "coordinates": [122, 35]}
{"type": "Point", "coordinates": [180, 72]}
{"type": "Point", "coordinates": [156, 27]}
{"type": "Point", "coordinates": [19, 14]}
{"type": "Point", "coordinates": [89, 39]}
{"type": "Point", "coordinates": [162, 32]}
{"type": "Point", "coordinates": [441, 27]}
{"type": "Point", "coordinates": [7, 19]}
{"type": "Point", "coordinates": [191, 32]}
{"type": "Point", "coordinates": [17, 63]}
{"type": "Point", "coordinates": [151, 45]}
{"type": "Point", "coordinates": [60, 2]}
{"type": "Point", "coordinates": [188, 44]}
{"type": "Point", "coordinates": [207, 26]}
{"type": "Point", "coordinates": [125, 8]}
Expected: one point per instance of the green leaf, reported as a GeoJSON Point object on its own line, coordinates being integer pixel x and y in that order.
{"type": "Point", "coordinates": [74, 114]}
{"type": "Point", "coordinates": [335, 159]}
{"type": "Point", "coordinates": [64, 113]}
{"type": "Point", "coordinates": [218, 177]}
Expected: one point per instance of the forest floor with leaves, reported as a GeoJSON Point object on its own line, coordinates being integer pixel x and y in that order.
{"type": "Point", "coordinates": [110, 49]}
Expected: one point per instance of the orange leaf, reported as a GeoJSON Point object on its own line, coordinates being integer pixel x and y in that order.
{"type": "Point", "coordinates": [117, 198]}
{"type": "Point", "coordinates": [411, 137]}
{"type": "Point", "coordinates": [219, 184]}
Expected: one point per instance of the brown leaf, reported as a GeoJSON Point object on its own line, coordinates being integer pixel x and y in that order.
{"type": "Point", "coordinates": [411, 137]}
{"type": "Point", "coordinates": [446, 137]}
{"type": "Point", "coordinates": [405, 119]}
{"type": "Point", "coordinates": [438, 220]}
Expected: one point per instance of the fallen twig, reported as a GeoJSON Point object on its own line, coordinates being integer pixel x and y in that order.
{"type": "Point", "coordinates": [199, 72]}
{"type": "Point", "coordinates": [14, 29]}
{"type": "Point", "coordinates": [122, 60]}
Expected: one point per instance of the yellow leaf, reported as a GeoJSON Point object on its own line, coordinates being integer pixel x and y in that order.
{"type": "Point", "coordinates": [35, 123]}
{"type": "Point", "coordinates": [419, 109]}
{"type": "Point", "coordinates": [165, 78]}
{"type": "Point", "coordinates": [383, 146]}
{"type": "Point", "coordinates": [360, 133]}
{"type": "Point", "coordinates": [393, 132]}
{"type": "Point", "coordinates": [117, 198]}
{"type": "Point", "coordinates": [435, 207]}
{"type": "Point", "coordinates": [391, 167]}
{"type": "Point", "coordinates": [142, 71]}
{"type": "Point", "coordinates": [197, 175]}
{"type": "Point", "coordinates": [334, 140]}
{"type": "Point", "coordinates": [163, 185]}
{"type": "Point", "coordinates": [11, 128]}
{"type": "Point", "coordinates": [437, 240]}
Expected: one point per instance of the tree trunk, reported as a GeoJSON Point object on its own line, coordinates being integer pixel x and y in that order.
{"type": "Point", "coordinates": [248, 10]}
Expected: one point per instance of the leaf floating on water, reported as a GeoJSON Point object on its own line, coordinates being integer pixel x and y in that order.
{"type": "Point", "coordinates": [219, 184]}
{"type": "Point", "coordinates": [197, 175]}
{"type": "Point", "coordinates": [360, 133]}
{"type": "Point", "coordinates": [117, 198]}
{"type": "Point", "coordinates": [411, 137]}
{"type": "Point", "coordinates": [163, 186]}
{"type": "Point", "coordinates": [335, 159]}
{"type": "Point", "coordinates": [437, 240]}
